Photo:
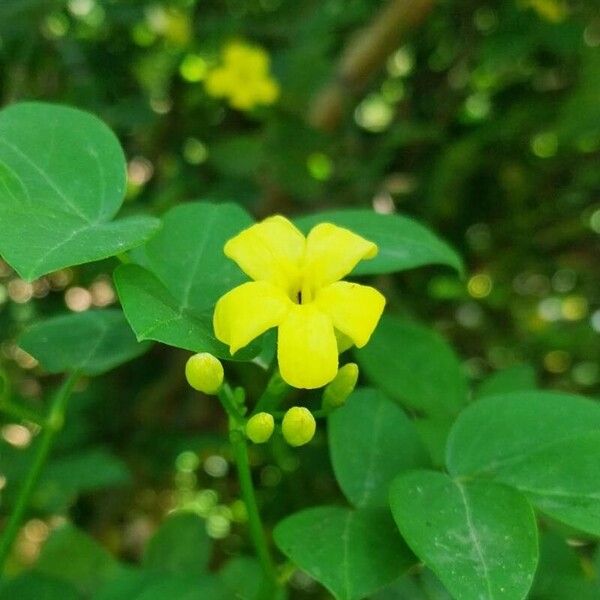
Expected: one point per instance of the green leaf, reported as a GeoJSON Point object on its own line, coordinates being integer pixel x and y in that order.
{"type": "Point", "coordinates": [514, 379]}
{"type": "Point", "coordinates": [505, 429]}
{"type": "Point", "coordinates": [62, 180]}
{"type": "Point", "coordinates": [171, 298]}
{"type": "Point", "coordinates": [181, 545]}
{"type": "Point", "coordinates": [91, 342]}
{"type": "Point", "coordinates": [403, 243]}
{"type": "Point", "coordinates": [415, 366]}
{"type": "Point", "coordinates": [352, 553]}
{"type": "Point", "coordinates": [371, 441]}
{"type": "Point", "coordinates": [34, 586]}
{"type": "Point", "coordinates": [156, 315]}
{"type": "Point", "coordinates": [480, 538]}
{"type": "Point", "coordinates": [546, 445]}
{"type": "Point", "coordinates": [74, 557]}
{"type": "Point", "coordinates": [562, 480]}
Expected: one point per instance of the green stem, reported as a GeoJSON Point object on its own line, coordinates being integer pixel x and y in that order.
{"type": "Point", "coordinates": [274, 393]}
{"type": "Point", "coordinates": [54, 425]}
{"type": "Point", "coordinates": [227, 398]}
{"type": "Point", "coordinates": [257, 532]}
{"type": "Point", "coordinates": [237, 438]}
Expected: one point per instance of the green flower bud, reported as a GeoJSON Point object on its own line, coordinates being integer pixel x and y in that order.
{"type": "Point", "coordinates": [298, 426]}
{"type": "Point", "coordinates": [259, 428]}
{"type": "Point", "coordinates": [204, 372]}
{"type": "Point", "coordinates": [337, 392]}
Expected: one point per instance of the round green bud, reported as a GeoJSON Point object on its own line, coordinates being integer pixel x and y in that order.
{"type": "Point", "coordinates": [204, 372]}
{"type": "Point", "coordinates": [259, 427]}
{"type": "Point", "coordinates": [337, 392]}
{"type": "Point", "coordinates": [298, 426]}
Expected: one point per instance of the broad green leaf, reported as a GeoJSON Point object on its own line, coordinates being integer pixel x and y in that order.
{"type": "Point", "coordinates": [561, 479]}
{"type": "Point", "coordinates": [371, 440]}
{"type": "Point", "coordinates": [506, 428]}
{"type": "Point", "coordinates": [62, 181]}
{"type": "Point", "coordinates": [91, 342]}
{"type": "Point", "coordinates": [171, 298]}
{"type": "Point", "coordinates": [514, 379]}
{"type": "Point", "coordinates": [352, 553]}
{"type": "Point", "coordinates": [415, 366]}
{"type": "Point", "coordinates": [561, 574]}
{"type": "Point", "coordinates": [181, 545]}
{"type": "Point", "coordinates": [480, 538]}
{"type": "Point", "coordinates": [403, 243]}
{"type": "Point", "coordinates": [34, 586]}
{"type": "Point", "coordinates": [545, 444]}
{"type": "Point", "coordinates": [74, 557]}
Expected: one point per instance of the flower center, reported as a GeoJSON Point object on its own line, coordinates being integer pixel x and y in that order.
{"type": "Point", "coordinates": [302, 293]}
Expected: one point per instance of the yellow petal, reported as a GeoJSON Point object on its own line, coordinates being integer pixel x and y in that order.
{"type": "Point", "coordinates": [307, 348]}
{"type": "Point", "coordinates": [354, 309]}
{"type": "Point", "coordinates": [331, 253]}
{"type": "Point", "coordinates": [247, 311]}
{"type": "Point", "coordinates": [269, 251]}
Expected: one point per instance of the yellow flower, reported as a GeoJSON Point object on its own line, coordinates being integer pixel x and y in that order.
{"type": "Point", "coordinates": [243, 77]}
{"type": "Point", "coordinates": [297, 288]}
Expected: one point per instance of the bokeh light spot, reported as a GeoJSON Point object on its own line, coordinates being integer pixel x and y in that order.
{"type": "Point", "coordinates": [480, 285]}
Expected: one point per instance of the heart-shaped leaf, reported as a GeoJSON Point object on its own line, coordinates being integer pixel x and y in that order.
{"type": "Point", "coordinates": [371, 440]}
{"type": "Point", "coordinates": [62, 181]}
{"type": "Point", "coordinates": [403, 243]}
{"type": "Point", "coordinates": [545, 444]}
{"type": "Point", "coordinates": [352, 553]}
{"type": "Point", "coordinates": [480, 538]}
{"type": "Point", "coordinates": [91, 342]}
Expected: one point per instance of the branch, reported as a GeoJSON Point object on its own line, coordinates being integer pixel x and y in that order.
{"type": "Point", "coordinates": [364, 55]}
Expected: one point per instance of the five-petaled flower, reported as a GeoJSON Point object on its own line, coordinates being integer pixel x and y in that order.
{"type": "Point", "coordinates": [297, 288]}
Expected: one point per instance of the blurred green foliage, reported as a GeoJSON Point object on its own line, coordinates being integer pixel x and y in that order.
{"type": "Point", "coordinates": [484, 123]}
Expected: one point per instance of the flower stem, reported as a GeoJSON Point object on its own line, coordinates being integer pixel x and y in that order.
{"type": "Point", "coordinates": [274, 393]}
{"type": "Point", "coordinates": [237, 438]}
{"type": "Point", "coordinates": [257, 532]}
{"type": "Point", "coordinates": [54, 424]}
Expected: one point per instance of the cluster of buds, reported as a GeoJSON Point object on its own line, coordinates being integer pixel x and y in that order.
{"type": "Point", "coordinates": [204, 372]}
{"type": "Point", "coordinates": [298, 426]}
